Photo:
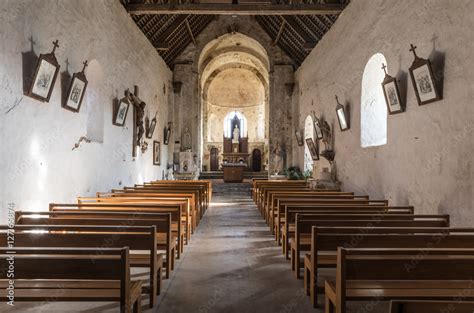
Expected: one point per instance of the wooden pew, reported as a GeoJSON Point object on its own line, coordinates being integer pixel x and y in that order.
{"type": "Point", "coordinates": [166, 241]}
{"type": "Point", "coordinates": [326, 242]}
{"type": "Point", "coordinates": [328, 200]}
{"type": "Point", "coordinates": [436, 274]}
{"type": "Point", "coordinates": [266, 191]}
{"type": "Point", "coordinates": [257, 185]}
{"type": "Point", "coordinates": [277, 199]}
{"type": "Point", "coordinates": [175, 209]}
{"type": "Point", "coordinates": [301, 241]}
{"type": "Point", "coordinates": [347, 215]}
{"type": "Point", "coordinates": [206, 183]}
{"type": "Point", "coordinates": [166, 187]}
{"type": "Point", "coordinates": [133, 237]}
{"type": "Point", "coordinates": [457, 305]}
{"type": "Point", "coordinates": [129, 191]}
{"type": "Point", "coordinates": [65, 274]}
{"type": "Point", "coordinates": [262, 186]}
{"type": "Point", "coordinates": [285, 219]}
{"type": "Point", "coordinates": [188, 223]}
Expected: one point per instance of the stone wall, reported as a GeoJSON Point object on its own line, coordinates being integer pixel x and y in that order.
{"type": "Point", "coordinates": [190, 110]}
{"type": "Point", "coordinates": [428, 159]}
{"type": "Point", "coordinates": [38, 164]}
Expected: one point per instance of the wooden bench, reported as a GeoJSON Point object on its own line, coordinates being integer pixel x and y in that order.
{"type": "Point", "coordinates": [165, 241]}
{"type": "Point", "coordinates": [157, 192]}
{"type": "Point", "coordinates": [176, 211]}
{"type": "Point", "coordinates": [71, 274]}
{"type": "Point", "coordinates": [301, 241]}
{"type": "Point", "coordinates": [388, 274]}
{"type": "Point", "coordinates": [133, 237]}
{"type": "Point", "coordinates": [278, 199]}
{"type": "Point", "coordinates": [188, 228]}
{"type": "Point", "coordinates": [457, 305]}
{"type": "Point", "coordinates": [198, 190]}
{"type": "Point", "coordinates": [276, 213]}
{"type": "Point", "coordinates": [329, 239]}
{"type": "Point", "coordinates": [283, 224]}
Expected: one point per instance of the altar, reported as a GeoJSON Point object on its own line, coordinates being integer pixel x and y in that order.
{"type": "Point", "coordinates": [233, 172]}
{"type": "Point", "coordinates": [236, 148]}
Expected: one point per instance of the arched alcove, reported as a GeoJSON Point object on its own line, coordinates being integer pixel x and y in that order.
{"type": "Point", "coordinates": [308, 133]}
{"type": "Point", "coordinates": [373, 115]}
{"type": "Point", "coordinates": [233, 77]}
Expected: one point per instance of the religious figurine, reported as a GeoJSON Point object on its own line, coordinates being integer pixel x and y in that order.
{"type": "Point", "coordinates": [327, 135]}
{"type": "Point", "coordinates": [236, 134]}
{"type": "Point", "coordinates": [139, 106]}
{"type": "Point", "coordinates": [187, 145]}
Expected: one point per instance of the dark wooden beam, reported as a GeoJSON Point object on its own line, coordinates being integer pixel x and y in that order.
{"type": "Point", "coordinates": [160, 43]}
{"type": "Point", "coordinates": [235, 9]}
{"type": "Point", "coordinates": [190, 32]}
{"type": "Point", "coordinates": [280, 32]}
{"type": "Point", "coordinates": [309, 43]}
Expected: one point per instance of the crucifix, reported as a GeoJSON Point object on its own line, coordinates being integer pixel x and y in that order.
{"type": "Point", "coordinates": [412, 49]}
{"type": "Point", "coordinates": [85, 65]}
{"type": "Point", "coordinates": [56, 45]}
{"type": "Point", "coordinates": [33, 43]}
{"type": "Point", "coordinates": [384, 67]}
{"type": "Point", "coordinates": [138, 116]}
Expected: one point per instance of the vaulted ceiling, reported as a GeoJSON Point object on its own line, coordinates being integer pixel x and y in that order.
{"type": "Point", "coordinates": [295, 26]}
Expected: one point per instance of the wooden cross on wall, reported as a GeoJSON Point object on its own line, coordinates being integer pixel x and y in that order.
{"type": "Point", "coordinates": [412, 49]}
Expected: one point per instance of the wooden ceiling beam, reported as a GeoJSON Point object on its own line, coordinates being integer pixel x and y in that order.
{"type": "Point", "coordinates": [160, 43]}
{"type": "Point", "coordinates": [235, 9]}
{"type": "Point", "coordinates": [309, 43]}
{"type": "Point", "coordinates": [190, 32]}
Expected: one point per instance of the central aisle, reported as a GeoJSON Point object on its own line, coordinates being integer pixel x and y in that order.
{"type": "Point", "coordinates": [233, 264]}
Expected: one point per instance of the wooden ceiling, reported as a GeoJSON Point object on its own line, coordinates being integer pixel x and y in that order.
{"type": "Point", "coordinates": [295, 26]}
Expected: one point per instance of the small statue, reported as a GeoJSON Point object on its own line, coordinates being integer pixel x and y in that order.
{"type": "Point", "coordinates": [139, 106]}
{"type": "Point", "coordinates": [327, 135]}
{"type": "Point", "coordinates": [187, 145]}
{"type": "Point", "coordinates": [236, 134]}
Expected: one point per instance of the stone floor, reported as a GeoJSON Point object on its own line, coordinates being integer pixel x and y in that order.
{"type": "Point", "coordinates": [232, 264]}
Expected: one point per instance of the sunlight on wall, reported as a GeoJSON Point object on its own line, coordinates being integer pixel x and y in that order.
{"type": "Point", "coordinates": [373, 122]}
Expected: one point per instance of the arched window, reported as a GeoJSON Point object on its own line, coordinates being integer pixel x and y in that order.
{"type": "Point", "coordinates": [228, 128]}
{"type": "Point", "coordinates": [373, 117]}
{"type": "Point", "coordinates": [308, 133]}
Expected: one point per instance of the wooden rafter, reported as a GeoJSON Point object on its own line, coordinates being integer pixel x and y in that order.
{"type": "Point", "coordinates": [161, 42]}
{"type": "Point", "coordinates": [190, 32]}
{"type": "Point", "coordinates": [234, 9]}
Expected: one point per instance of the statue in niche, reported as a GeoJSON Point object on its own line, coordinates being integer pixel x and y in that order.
{"type": "Point", "coordinates": [236, 134]}
{"type": "Point", "coordinates": [187, 145]}
{"type": "Point", "coordinates": [139, 107]}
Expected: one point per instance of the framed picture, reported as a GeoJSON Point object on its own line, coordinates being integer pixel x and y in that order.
{"type": "Point", "coordinates": [120, 112]}
{"type": "Point", "coordinates": [341, 116]}
{"type": "Point", "coordinates": [167, 134]}
{"type": "Point", "coordinates": [156, 153]}
{"type": "Point", "coordinates": [317, 127]}
{"type": "Point", "coordinates": [423, 80]}
{"type": "Point", "coordinates": [150, 126]}
{"type": "Point", "coordinates": [299, 137]}
{"type": "Point", "coordinates": [313, 149]}
{"type": "Point", "coordinates": [46, 72]}
{"type": "Point", "coordinates": [76, 91]}
{"type": "Point", "coordinates": [392, 95]}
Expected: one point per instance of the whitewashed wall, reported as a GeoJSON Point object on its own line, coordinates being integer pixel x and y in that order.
{"type": "Point", "coordinates": [428, 159]}
{"type": "Point", "coordinates": [37, 162]}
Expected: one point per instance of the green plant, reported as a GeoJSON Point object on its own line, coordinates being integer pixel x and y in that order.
{"type": "Point", "coordinates": [294, 173]}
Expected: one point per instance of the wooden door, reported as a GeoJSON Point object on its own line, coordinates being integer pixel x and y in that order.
{"type": "Point", "coordinates": [256, 160]}
{"type": "Point", "coordinates": [214, 159]}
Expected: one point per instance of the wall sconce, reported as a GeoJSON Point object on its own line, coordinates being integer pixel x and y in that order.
{"type": "Point", "coordinates": [341, 116]}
